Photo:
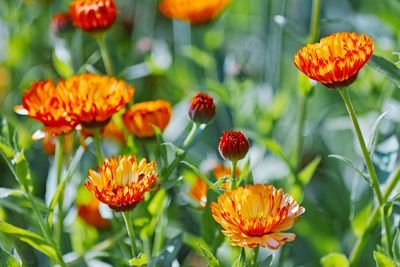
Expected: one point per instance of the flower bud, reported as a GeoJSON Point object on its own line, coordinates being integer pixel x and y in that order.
{"type": "Point", "coordinates": [233, 145]}
{"type": "Point", "coordinates": [201, 108]}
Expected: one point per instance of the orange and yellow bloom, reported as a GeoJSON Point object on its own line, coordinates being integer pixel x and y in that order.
{"type": "Point", "coordinates": [93, 15]}
{"type": "Point", "coordinates": [141, 116]}
{"type": "Point", "coordinates": [90, 213]}
{"type": "Point", "coordinates": [257, 215]}
{"type": "Point", "coordinates": [336, 60]}
{"type": "Point", "coordinates": [95, 98]}
{"type": "Point", "coordinates": [45, 102]}
{"type": "Point", "coordinates": [193, 11]}
{"type": "Point", "coordinates": [120, 183]}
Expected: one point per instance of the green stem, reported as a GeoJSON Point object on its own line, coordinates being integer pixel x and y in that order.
{"type": "Point", "coordinates": [255, 256]}
{"type": "Point", "coordinates": [191, 135]}
{"type": "Point", "coordinates": [233, 175]}
{"type": "Point", "coordinates": [101, 40]}
{"type": "Point", "coordinates": [131, 233]}
{"type": "Point", "coordinates": [372, 220]}
{"type": "Point", "coordinates": [315, 19]}
{"type": "Point", "coordinates": [300, 129]}
{"type": "Point", "coordinates": [97, 146]}
{"type": "Point", "coordinates": [59, 167]}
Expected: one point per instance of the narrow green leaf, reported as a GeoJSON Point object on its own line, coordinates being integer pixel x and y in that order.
{"type": "Point", "coordinates": [8, 259]}
{"type": "Point", "coordinates": [267, 261]}
{"type": "Point", "coordinates": [382, 260]}
{"type": "Point", "coordinates": [160, 141]}
{"type": "Point", "coordinates": [168, 255]}
{"type": "Point", "coordinates": [351, 165]}
{"type": "Point", "coordinates": [374, 130]}
{"type": "Point", "coordinates": [6, 149]}
{"type": "Point", "coordinates": [389, 69]}
{"type": "Point", "coordinates": [335, 260]}
{"type": "Point", "coordinates": [211, 259]}
{"type": "Point", "coordinates": [30, 238]}
{"type": "Point", "coordinates": [139, 261]}
{"type": "Point", "coordinates": [156, 204]}
{"type": "Point", "coordinates": [62, 61]}
{"type": "Point", "coordinates": [6, 192]}
{"type": "Point", "coordinates": [22, 169]}
{"type": "Point", "coordinates": [307, 173]}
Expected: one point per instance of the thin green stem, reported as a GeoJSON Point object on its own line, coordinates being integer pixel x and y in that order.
{"type": "Point", "coordinates": [315, 19]}
{"type": "Point", "coordinates": [233, 175]}
{"type": "Point", "coordinates": [386, 224]}
{"type": "Point", "coordinates": [131, 233]}
{"type": "Point", "coordinates": [101, 40]}
{"type": "Point", "coordinates": [300, 129]}
{"type": "Point", "coordinates": [59, 167]}
{"type": "Point", "coordinates": [372, 220]}
{"type": "Point", "coordinates": [191, 135]}
{"type": "Point", "coordinates": [255, 256]}
{"type": "Point", "coordinates": [97, 146]}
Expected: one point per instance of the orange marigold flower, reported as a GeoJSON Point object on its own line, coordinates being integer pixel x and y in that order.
{"type": "Point", "coordinates": [201, 108]}
{"type": "Point", "coordinates": [233, 145]}
{"type": "Point", "coordinates": [193, 11]}
{"type": "Point", "coordinates": [61, 22]}
{"type": "Point", "coordinates": [95, 98]}
{"type": "Point", "coordinates": [256, 215]}
{"type": "Point", "coordinates": [90, 213]}
{"type": "Point", "coordinates": [336, 60]}
{"type": "Point", "coordinates": [51, 106]}
{"type": "Point", "coordinates": [121, 183]}
{"type": "Point", "coordinates": [111, 131]}
{"type": "Point", "coordinates": [141, 116]}
{"type": "Point", "coordinates": [93, 15]}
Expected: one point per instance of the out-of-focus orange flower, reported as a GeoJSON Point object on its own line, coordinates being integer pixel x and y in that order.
{"type": "Point", "coordinates": [61, 22]}
{"type": "Point", "coordinates": [256, 215]}
{"type": "Point", "coordinates": [90, 213]}
{"type": "Point", "coordinates": [51, 106]}
{"type": "Point", "coordinates": [49, 143]}
{"type": "Point", "coordinates": [121, 183]}
{"type": "Point", "coordinates": [93, 15]}
{"type": "Point", "coordinates": [95, 98]}
{"type": "Point", "coordinates": [336, 60]}
{"type": "Point", "coordinates": [141, 116]}
{"type": "Point", "coordinates": [193, 11]}
{"type": "Point", "coordinates": [110, 131]}
{"type": "Point", "coordinates": [199, 189]}
{"type": "Point", "coordinates": [201, 108]}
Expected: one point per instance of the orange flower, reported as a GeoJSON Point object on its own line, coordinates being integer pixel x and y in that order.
{"type": "Point", "coordinates": [49, 143]}
{"type": "Point", "coordinates": [256, 215]}
{"type": "Point", "coordinates": [141, 116]}
{"type": "Point", "coordinates": [90, 213]}
{"type": "Point", "coordinates": [121, 183]}
{"type": "Point", "coordinates": [201, 108]}
{"type": "Point", "coordinates": [193, 11]}
{"type": "Point", "coordinates": [110, 131]}
{"type": "Point", "coordinates": [51, 106]}
{"type": "Point", "coordinates": [95, 98]}
{"type": "Point", "coordinates": [93, 15]}
{"type": "Point", "coordinates": [336, 60]}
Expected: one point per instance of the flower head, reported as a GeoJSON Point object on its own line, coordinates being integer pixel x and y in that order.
{"type": "Point", "coordinates": [90, 213]}
{"type": "Point", "coordinates": [141, 116]}
{"type": "Point", "coordinates": [193, 11]}
{"type": "Point", "coordinates": [61, 22]}
{"type": "Point", "coordinates": [336, 60]}
{"type": "Point", "coordinates": [51, 106]}
{"type": "Point", "coordinates": [95, 98]}
{"type": "Point", "coordinates": [256, 215]}
{"type": "Point", "coordinates": [202, 108]}
{"type": "Point", "coordinates": [233, 145]}
{"type": "Point", "coordinates": [121, 183]}
{"type": "Point", "coordinates": [93, 15]}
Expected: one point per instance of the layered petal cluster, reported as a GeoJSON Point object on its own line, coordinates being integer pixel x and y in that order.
{"type": "Point", "coordinates": [257, 215]}
{"type": "Point", "coordinates": [120, 183]}
{"type": "Point", "coordinates": [336, 60]}
{"type": "Point", "coordinates": [201, 108]}
{"type": "Point", "coordinates": [141, 116]}
{"type": "Point", "coordinates": [93, 15]}
{"type": "Point", "coordinates": [233, 145]}
{"type": "Point", "coordinates": [51, 106]}
{"type": "Point", "coordinates": [95, 98]}
{"type": "Point", "coordinates": [193, 11]}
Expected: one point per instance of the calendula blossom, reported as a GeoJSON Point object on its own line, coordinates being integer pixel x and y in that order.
{"type": "Point", "coordinates": [257, 215]}
{"type": "Point", "coordinates": [336, 60]}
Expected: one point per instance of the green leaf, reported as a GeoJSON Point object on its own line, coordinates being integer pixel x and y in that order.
{"type": "Point", "coordinates": [22, 169]}
{"type": "Point", "coordinates": [30, 238]}
{"type": "Point", "coordinates": [178, 151]}
{"type": "Point", "coordinates": [201, 58]}
{"type": "Point", "coordinates": [211, 259]}
{"type": "Point", "coordinates": [351, 165]}
{"type": "Point", "coordinates": [382, 260]}
{"type": "Point", "coordinates": [8, 259]}
{"type": "Point", "coordinates": [62, 61]}
{"type": "Point", "coordinates": [156, 204]}
{"type": "Point", "coordinates": [360, 221]}
{"type": "Point", "coordinates": [241, 261]}
{"type": "Point", "coordinates": [390, 70]}
{"type": "Point", "coordinates": [6, 149]}
{"type": "Point", "coordinates": [335, 260]}
{"type": "Point", "coordinates": [6, 192]}
{"type": "Point", "coordinates": [160, 141]}
{"type": "Point", "coordinates": [373, 131]}
{"type": "Point", "coordinates": [168, 255]}
{"type": "Point", "coordinates": [139, 261]}
{"type": "Point", "coordinates": [267, 261]}
{"type": "Point", "coordinates": [307, 172]}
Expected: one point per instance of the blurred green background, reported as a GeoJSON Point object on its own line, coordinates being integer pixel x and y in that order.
{"type": "Point", "coordinates": [245, 60]}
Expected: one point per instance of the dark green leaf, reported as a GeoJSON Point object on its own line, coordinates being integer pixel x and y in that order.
{"type": "Point", "coordinates": [267, 261]}
{"type": "Point", "coordinates": [382, 260]}
{"type": "Point", "coordinates": [307, 173]}
{"type": "Point", "coordinates": [389, 69]}
{"type": "Point", "coordinates": [211, 259]}
{"type": "Point", "coordinates": [168, 255]}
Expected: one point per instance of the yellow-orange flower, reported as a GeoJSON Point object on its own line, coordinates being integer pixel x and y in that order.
{"type": "Point", "coordinates": [256, 215]}
{"type": "Point", "coordinates": [89, 212]}
{"type": "Point", "coordinates": [95, 98]}
{"type": "Point", "coordinates": [141, 116]}
{"type": "Point", "coordinates": [121, 183]}
{"type": "Point", "coordinates": [51, 106]}
{"type": "Point", "coordinates": [93, 15]}
{"type": "Point", "coordinates": [336, 60]}
{"type": "Point", "coordinates": [193, 11]}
